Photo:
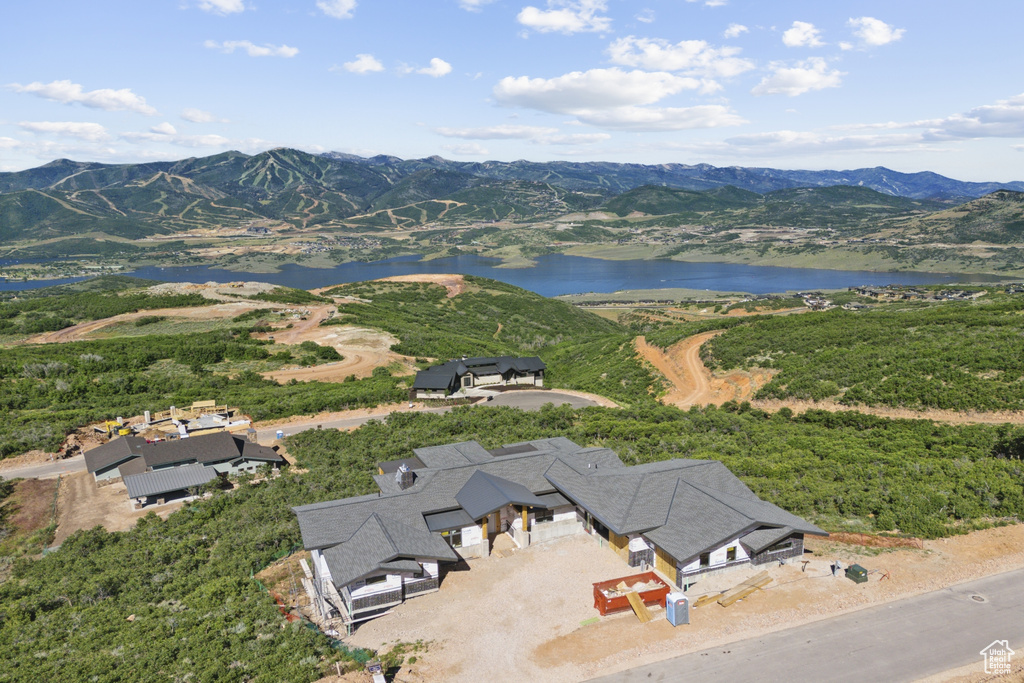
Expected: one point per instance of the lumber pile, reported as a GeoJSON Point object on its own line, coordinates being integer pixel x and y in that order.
{"type": "Point", "coordinates": [705, 599]}
{"type": "Point", "coordinates": [742, 590]}
{"type": "Point", "coordinates": [639, 608]}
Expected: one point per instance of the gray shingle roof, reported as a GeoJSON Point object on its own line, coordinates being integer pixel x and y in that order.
{"type": "Point", "coordinates": [168, 480]}
{"type": "Point", "coordinates": [758, 540]}
{"type": "Point", "coordinates": [207, 448]}
{"type": "Point", "coordinates": [484, 493]}
{"type": "Point", "coordinates": [445, 521]}
{"type": "Point", "coordinates": [379, 540]}
{"type": "Point", "coordinates": [114, 451]}
{"type": "Point", "coordinates": [684, 506]}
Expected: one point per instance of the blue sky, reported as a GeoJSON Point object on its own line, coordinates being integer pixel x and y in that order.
{"type": "Point", "coordinates": [910, 85]}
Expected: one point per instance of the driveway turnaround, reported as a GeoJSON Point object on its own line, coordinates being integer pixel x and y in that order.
{"type": "Point", "coordinates": [904, 640]}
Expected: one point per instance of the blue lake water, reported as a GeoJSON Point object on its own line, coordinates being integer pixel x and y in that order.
{"type": "Point", "coordinates": [556, 274]}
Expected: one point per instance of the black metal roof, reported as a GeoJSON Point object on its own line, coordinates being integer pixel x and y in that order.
{"type": "Point", "coordinates": [391, 466]}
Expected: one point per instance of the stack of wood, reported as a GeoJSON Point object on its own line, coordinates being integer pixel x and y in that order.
{"type": "Point", "coordinates": [742, 590]}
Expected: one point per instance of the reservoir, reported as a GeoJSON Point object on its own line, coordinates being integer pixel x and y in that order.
{"type": "Point", "coordinates": [555, 274]}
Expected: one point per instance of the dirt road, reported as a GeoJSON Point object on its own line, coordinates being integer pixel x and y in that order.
{"type": "Point", "coordinates": [692, 384]}
{"type": "Point", "coordinates": [83, 330]}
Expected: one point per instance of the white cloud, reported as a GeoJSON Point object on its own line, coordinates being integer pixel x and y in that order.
{"type": "Point", "coordinates": [362, 64]}
{"type": "Point", "coordinates": [653, 119]}
{"type": "Point", "coordinates": [802, 34]}
{"type": "Point", "coordinates": [92, 132]}
{"type": "Point", "coordinates": [253, 50]}
{"type": "Point", "coordinates": [535, 134]}
{"type": "Point", "coordinates": [179, 140]}
{"type": "Point", "coordinates": [473, 5]}
{"type": "Point", "coordinates": [843, 45]}
{"type": "Point", "coordinates": [72, 93]}
{"type": "Point", "coordinates": [590, 90]}
{"type": "Point", "coordinates": [200, 116]}
{"type": "Point", "coordinates": [695, 57]}
{"type": "Point", "coordinates": [874, 31]}
{"type": "Point", "coordinates": [735, 30]}
{"type": "Point", "coordinates": [712, 3]}
{"type": "Point", "coordinates": [339, 9]}
{"type": "Point", "coordinates": [164, 128]}
{"type": "Point", "coordinates": [438, 67]}
{"type": "Point", "coordinates": [566, 16]}
{"type": "Point", "coordinates": [576, 139]}
{"type": "Point", "coordinates": [9, 143]}
{"type": "Point", "coordinates": [646, 16]}
{"type": "Point", "coordinates": [222, 7]}
{"type": "Point", "coordinates": [812, 74]}
{"type": "Point", "coordinates": [1004, 119]}
{"type": "Point", "coordinates": [502, 132]}
{"type": "Point", "coordinates": [470, 149]}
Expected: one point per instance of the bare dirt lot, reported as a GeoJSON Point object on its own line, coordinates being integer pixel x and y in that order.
{"type": "Point", "coordinates": [692, 384]}
{"type": "Point", "coordinates": [363, 349]}
{"type": "Point", "coordinates": [32, 501]}
{"type": "Point", "coordinates": [82, 504]}
{"type": "Point", "coordinates": [518, 618]}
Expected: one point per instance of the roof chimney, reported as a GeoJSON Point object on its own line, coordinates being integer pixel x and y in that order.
{"type": "Point", "coordinates": [404, 477]}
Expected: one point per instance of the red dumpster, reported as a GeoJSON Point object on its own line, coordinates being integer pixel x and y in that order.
{"type": "Point", "coordinates": [608, 600]}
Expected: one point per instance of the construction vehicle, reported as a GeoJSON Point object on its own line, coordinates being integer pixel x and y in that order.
{"type": "Point", "coordinates": [113, 428]}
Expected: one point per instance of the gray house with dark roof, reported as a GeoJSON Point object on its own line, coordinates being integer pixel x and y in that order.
{"type": "Point", "coordinates": [159, 469]}
{"type": "Point", "coordinates": [684, 517]}
{"type": "Point", "coordinates": [470, 376]}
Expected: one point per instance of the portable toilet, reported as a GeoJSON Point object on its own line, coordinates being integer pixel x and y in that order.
{"type": "Point", "coordinates": [280, 433]}
{"type": "Point", "coordinates": [677, 608]}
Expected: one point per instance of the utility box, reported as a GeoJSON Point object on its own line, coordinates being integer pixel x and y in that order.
{"type": "Point", "coordinates": [857, 574]}
{"type": "Point", "coordinates": [677, 608]}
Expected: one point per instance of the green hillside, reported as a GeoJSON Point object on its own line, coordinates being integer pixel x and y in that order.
{"type": "Point", "coordinates": [660, 201]}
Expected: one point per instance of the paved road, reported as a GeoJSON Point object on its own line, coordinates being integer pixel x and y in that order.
{"type": "Point", "coordinates": [900, 641]}
{"type": "Point", "coordinates": [45, 470]}
{"type": "Point", "coordinates": [527, 400]}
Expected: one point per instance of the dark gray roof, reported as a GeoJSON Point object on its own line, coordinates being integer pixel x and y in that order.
{"type": "Point", "coordinates": [452, 519]}
{"type": "Point", "coordinates": [114, 451]}
{"type": "Point", "coordinates": [484, 493]}
{"type": "Point", "coordinates": [684, 506]}
{"type": "Point", "coordinates": [447, 375]}
{"type": "Point", "coordinates": [168, 480]}
{"type": "Point", "coordinates": [758, 540]}
{"type": "Point", "coordinates": [378, 541]}
{"type": "Point", "coordinates": [513, 450]}
{"type": "Point", "coordinates": [326, 524]}
{"type": "Point", "coordinates": [553, 500]}
{"type": "Point", "coordinates": [452, 454]}
{"type": "Point", "coordinates": [136, 465]}
{"type": "Point", "coordinates": [207, 448]}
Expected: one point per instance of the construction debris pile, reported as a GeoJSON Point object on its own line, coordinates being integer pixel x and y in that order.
{"type": "Point", "coordinates": [203, 417]}
{"type": "Point", "coordinates": [621, 588]}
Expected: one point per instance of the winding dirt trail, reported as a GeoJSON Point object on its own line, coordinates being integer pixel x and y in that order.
{"type": "Point", "coordinates": [692, 384]}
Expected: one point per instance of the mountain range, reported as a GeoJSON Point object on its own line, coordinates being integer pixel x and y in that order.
{"type": "Point", "coordinates": [67, 198]}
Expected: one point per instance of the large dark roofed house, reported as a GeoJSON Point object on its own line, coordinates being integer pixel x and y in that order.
{"type": "Point", "coordinates": [159, 468]}
{"type": "Point", "coordinates": [473, 376]}
{"type": "Point", "coordinates": [684, 517]}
